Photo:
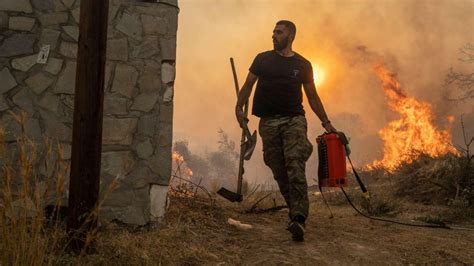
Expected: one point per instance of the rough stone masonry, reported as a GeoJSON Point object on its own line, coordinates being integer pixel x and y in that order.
{"type": "Point", "coordinates": [38, 50]}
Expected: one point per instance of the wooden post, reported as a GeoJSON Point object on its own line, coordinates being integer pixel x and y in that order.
{"type": "Point", "coordinates": [87, 127]}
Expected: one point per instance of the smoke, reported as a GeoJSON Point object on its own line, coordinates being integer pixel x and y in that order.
{"type": "Point", "coordinates": [418, 40]}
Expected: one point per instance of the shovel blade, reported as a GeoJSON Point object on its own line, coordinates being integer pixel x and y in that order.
{"type": "Point", "coordinates": [229, 195]}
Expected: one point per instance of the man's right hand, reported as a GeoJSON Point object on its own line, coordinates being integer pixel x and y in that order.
{"type": "Point", "coordinates": [239, 114]}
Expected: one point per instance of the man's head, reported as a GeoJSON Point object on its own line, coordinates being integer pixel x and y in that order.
{"type": "Point", "coordinates": [283, 34]}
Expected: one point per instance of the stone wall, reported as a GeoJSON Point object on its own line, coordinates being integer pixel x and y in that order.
{"type": "Point", "coordinates": [38, 51]}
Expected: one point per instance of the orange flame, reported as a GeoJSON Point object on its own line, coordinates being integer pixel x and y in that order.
{"type": "Point", "coordinates": [179, 160]}
{"type": "Point", "coordinates": [414, 132]}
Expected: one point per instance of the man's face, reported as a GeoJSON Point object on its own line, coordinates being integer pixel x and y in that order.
{"type": "Point", "coordinates": [281, 37]}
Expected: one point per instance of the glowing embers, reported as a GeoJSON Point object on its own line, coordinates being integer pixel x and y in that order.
{"type": "Point", "coordinates": [414, 133]}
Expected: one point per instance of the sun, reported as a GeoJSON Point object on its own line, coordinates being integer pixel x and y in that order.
{"type": "Point", "coordinates": [319, 74]}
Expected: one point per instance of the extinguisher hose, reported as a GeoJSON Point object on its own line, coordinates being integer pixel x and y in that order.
{"type": "Point", "coordinates": [443, 226]}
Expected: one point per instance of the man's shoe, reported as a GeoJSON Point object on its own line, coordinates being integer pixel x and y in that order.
{"type": "Point", "coordinates": [297, 230]}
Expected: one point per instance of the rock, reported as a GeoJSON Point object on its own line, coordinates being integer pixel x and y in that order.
{"type": "Point", "coordinates": [146, 49]}
{"type": "Point", "coordinates": [150, 79]}
{"type": "Point", "coordinates": [109, 69]}
{"type": "Point", "coordinates": [67, 149]}
{"type": "Point", "coordinates": [39, 82]}
{"type": "Point", "coordinates": [24, 63]}
{"type": "Point", "coordinates": [166, 113]}
{"type": "Point", "coordinates": [13, 130]}
{"type": "Point", "coordinates": [158, 201]}
{"type": "Point", "coordinates": [147, 124]}
{"type": "Point", "coordinates": [3, 104]}
{"type": "Point", "coordinates": [171, 2]}
{"type": "Point", "coordinates": [119, 130]}
{"type": "Point", "coordinates": [16, 5]}
{"type": "Point", "coordinates": [59, 6]}
{"type": "Point", "coordinates": [67, 80]}
{"type": "Point", "coordinates": [43, 5]}
{"type": "Point", "coordinates": [122, 196]}
{"type": "Point", "coordinates": [53, 65]}
{"type": "Point", "coordinates": [8, 82]}
{"type": "Point", "coordinates": [153, 25]}
{"type": "Point", "coordinates": [132, 214]}
{"type": "Point", "coordinates": [33, 129]}
{"type": "Point", "coordinates": [49, 102]}
{"type": "Point", "coordinates": [76, 13]}
{"type": "Point", "coordinates": [24, 99]}
{"type": "Point", "coordinates": [72, 31]}
{"type": "Point", "coordinates": [54, 128]}
{"type": "Point", "coordinates": [17, 44]}
{"type": "Point", "coordinates": [140, 177]}
{"type": "Point", "coordinates": [131, 25]}
{"type": "Point", "coordinates": [68, 49]}
{"type": "Point", "coordinates": [113, 9]}
{"type": "Point", "coordinates": [56, 18]}
{"type": "Point", "coordinates": [125, 80]}
{"type": "Point", "coordinates": [168, 49]}
{"type": "Point", "coordinates": [68, 3]}
{"type": "Point", "coordinates": [167, 73]}
{"type": "Point", "coordinates": [3, 20]}
{"type": "Point", "coordinates": [49, 37]}
{"type": "Point", "coordinates": [117, 49]}
{"type": "Point", "coordinates": [23, 207]}
{"type": "Point", "coordinates": [172, 18]}
{"type": "Point", "coordinates": [21, 23]}
{"type": "Point", "coordinates": [117, 163]}
{"type": "Point", "coordinates": [168, 94]}
{"type": "Point", "coordinates": [145, 149]}
{"type": "Point", "coordinates": [145, 101]}
{"type": "Point", "coordinates": [115, 106]}
{"type": "Point", "coordinates": [160, 164]}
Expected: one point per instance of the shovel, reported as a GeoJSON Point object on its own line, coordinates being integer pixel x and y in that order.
{"type": "Point", "coordinates": [247, 147]}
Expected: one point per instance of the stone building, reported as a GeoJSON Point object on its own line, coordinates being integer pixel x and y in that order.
{"type": "Point", "coordinates": [38, 51]}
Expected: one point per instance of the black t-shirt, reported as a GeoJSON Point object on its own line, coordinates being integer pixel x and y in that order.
{"type": "Point", "coordinates": [279, 84]}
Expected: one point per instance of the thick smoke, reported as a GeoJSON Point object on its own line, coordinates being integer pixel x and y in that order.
{"type": "Point", "coordinates": [418, 40]}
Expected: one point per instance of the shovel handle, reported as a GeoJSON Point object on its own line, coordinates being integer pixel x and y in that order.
{"type": "Point", "coordinates": [241, 159]}
{"type": "Point", "coordinates": [236, 84]}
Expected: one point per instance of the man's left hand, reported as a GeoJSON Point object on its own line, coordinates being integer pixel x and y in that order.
{"type": "Point", "coordinates": [329, 128]}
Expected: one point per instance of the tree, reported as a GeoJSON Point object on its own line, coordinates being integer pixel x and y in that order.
{"type": "Point", "coordinates": [464, 82]}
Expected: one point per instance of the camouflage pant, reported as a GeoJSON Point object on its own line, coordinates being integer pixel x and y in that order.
{"type": "Point", "coordinates": [286, 149]}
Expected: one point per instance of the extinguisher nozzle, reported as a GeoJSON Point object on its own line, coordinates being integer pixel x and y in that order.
{"type": "Point", "coordinates": [366, 195]}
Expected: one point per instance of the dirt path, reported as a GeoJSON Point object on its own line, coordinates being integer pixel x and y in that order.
{"type": "Point", "coordinates": [350, 239]}
{"type": "Point", "coordinates": [197, 233]}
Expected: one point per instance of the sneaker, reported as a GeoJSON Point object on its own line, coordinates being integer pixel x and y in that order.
{"type": "Point", "coordinates": [297, 230]}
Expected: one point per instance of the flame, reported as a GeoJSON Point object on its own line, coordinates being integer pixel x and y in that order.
{"type": "Point", "coordinates": [181, 164]}
{"type": "Point", "coordinates": [177, 188]}
{"type": "Point", "coordinates": [414, 132]}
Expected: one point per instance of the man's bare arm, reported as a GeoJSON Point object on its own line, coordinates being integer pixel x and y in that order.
{"type": "Point", "coordinates": [244, 95]}
{"type": "Point", "coordinates": [317, 105]}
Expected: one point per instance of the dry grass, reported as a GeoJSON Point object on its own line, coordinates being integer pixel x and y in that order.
{"type": "Point", "coordinates": [184, 240]}
{"type": "Point", "coordinates": [32, 201]}
{"type": "Point", "coordinates": [28, 237]}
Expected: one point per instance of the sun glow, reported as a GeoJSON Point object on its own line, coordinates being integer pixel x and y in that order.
{"type": "Point", "coordinates": [318, 74]}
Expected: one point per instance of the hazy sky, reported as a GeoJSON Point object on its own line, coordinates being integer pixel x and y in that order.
{"type": "Point", "coordinates": [419, 40]}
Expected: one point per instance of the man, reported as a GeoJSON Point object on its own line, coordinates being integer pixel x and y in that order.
{"type": "Point", "coordinates": [283, 127]}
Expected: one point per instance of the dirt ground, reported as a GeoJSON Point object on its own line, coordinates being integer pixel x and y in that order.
{"type": "Point", "coordinates": [197, 233]}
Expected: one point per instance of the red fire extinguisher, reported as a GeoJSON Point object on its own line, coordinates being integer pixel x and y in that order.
{"type": "Point", "coordinates": [332, 160]}
{"type": "Point", "coordinates": [333, 148]}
